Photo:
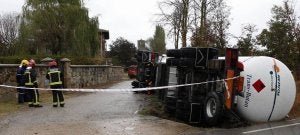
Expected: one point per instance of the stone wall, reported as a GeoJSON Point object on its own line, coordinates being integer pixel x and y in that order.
{"type": "Point", "coordinates": [75, 76]}
{"type": "Point", "coordinates": [86, 76]}
{"type": "Point", "coordinates": [8, 77]}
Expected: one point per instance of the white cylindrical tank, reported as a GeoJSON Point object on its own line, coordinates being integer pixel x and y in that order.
{"type": "Point", "coordinates": [269, 89]}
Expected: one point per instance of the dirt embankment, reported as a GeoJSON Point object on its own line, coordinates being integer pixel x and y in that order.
{"type": "Point", "coordinates": [295, 112]}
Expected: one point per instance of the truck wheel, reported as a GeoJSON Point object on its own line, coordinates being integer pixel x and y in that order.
{"type": "Point", "coordinates": [212, 108]}
{"type": "Point", "coordinates": [135, 84]}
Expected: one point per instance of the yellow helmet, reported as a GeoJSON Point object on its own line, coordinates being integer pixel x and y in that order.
{"type": "Point", "coordinates": [24, 63]}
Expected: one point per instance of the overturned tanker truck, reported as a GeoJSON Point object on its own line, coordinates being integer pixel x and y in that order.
{"type": "Point", "coordinates": [256, 89]}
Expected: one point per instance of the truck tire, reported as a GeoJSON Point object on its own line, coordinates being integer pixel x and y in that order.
{"type": "Point", "coordinates": [135, 84]}
{"type": "Point", "coordinates": [212, 108]}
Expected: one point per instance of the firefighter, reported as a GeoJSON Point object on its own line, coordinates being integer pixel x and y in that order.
{"type": "Point", "coordinates": [31, 82]}
{"type": "Point", "coordinates": [55, 77]}
{"type": "Point", "coordinates": [20, 81]}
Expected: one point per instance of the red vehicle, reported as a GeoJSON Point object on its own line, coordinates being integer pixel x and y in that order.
{"type": "Point", "coordinates": [132, 71]}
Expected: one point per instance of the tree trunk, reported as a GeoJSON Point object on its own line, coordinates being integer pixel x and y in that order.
{"type": "Point", "coordinates": [184, 24]}
{"type": "Point", "coordinates": [202, 24]}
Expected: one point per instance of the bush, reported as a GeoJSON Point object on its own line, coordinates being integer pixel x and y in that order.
{"type": "Point", "coordinates": [12, 59]}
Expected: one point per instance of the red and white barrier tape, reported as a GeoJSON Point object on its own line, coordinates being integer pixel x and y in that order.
{"type": "Point", "coordinates": [123, 90]}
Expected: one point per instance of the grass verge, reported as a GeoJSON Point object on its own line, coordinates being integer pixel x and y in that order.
{"type": "Point", "coordinates": [7, 107]}
{"type": "Point", "coordinates": [153, 106]}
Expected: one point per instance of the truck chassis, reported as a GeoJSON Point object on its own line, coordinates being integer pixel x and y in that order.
{"type": "Point", "coordinates": [206, 103]}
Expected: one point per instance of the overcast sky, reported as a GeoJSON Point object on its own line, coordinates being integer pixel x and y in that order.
{"type": "Point", "coordinates": [134, 19]}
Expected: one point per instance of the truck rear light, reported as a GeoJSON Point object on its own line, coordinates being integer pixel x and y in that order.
{"type": "Point", "coordinates": [152, 57]}
{"type": "Point", "coordinates": [239, 84]}
{"type": "Point", "coordinates": [240, 66]}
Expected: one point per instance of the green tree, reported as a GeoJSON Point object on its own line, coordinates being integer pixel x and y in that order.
{"type": "Point", "coordinates": [281, 36]}
{"type": "Point", "coordinates": [247, 41]}
{"type": "Point", "coordinates": [58, 27]}
{"type": "Point", "coordinates": [122, 51]}
{"type": "Point", "coordinates": [157, 43]}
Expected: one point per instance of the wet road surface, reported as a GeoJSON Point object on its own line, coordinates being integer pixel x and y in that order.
{"type": "Point", "coordinates": [94, 113]}
{"type": "Point", "coordinates": [116, 113]}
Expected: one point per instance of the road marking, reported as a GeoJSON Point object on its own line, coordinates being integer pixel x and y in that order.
{"type": "Point", "coordinates": [265, 129]}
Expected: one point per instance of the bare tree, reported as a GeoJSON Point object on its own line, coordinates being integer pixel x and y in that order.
{"type": "Point", "coordinates": [171, 20]}
{"type": "Point", "coordinates": [9, 29]}
{"type": "Point", "coordinates": [176, 27]}
{"type": "Point", "coordinates": [207, 20]}
{"type": "Point", "coordinates": [178, 19]}
{"type": "Point", "coordinates": [220, 23]}
{"type": "Point", "coordinates": [185, 6]}
{"type": "Point", "coordinates": [210, 23]}
{"type": "Point", "coordinates": [200, 28]}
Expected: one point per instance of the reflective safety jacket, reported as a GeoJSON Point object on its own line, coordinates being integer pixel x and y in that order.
{"type": "Point", "coordinates": [54, 75]}
{"type": "Point", "coordinates": [19, 76]}
{"type": "Point", "coordinates": [29, 77]}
